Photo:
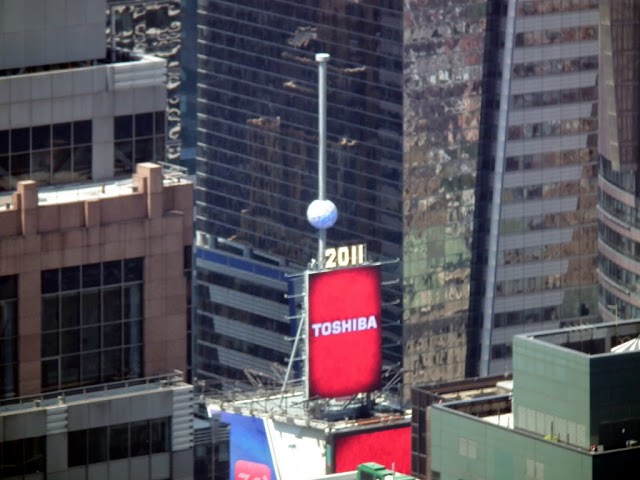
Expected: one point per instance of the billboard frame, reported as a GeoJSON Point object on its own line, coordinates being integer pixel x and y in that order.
{"type": "Point", "coordinates": [307, 324]}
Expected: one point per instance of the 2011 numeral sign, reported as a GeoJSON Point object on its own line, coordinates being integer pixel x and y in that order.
{"type": "Point", "coordinates": [345, 256]}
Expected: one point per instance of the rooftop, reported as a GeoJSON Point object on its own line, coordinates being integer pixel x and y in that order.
{"type": "Point", "coordinates": [101, 391]}
{"type": "Point", "coordinates": [291, 406]}
{"type": "Point", "coordinates": [75, 192]}
{"type": "Point", "coordinates": [596, 339]}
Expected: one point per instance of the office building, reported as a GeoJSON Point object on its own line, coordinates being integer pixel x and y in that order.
{"type": "Point", "coordinates": [462, 140]}
{"type": "Point", "coordinates": [70, 111]}
{"type": "Point", "coordinates": [571, 412]}
{"type": "Point", "coordinates": [540, 240]}
{"type": "Point", "coordinates": [93, 282]}
{"type": "Point", "coordinates": [129, 430]}
{"type": "Point", "coordinates": [500, 174]}
{"type": "Point", "coordinates": [619, 266]}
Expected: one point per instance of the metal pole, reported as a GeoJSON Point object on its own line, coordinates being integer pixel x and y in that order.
{"type": "Point", "coordinates": [322, 59]}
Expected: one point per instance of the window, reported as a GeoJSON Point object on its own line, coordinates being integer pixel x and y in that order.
{"type": "Point", "coordinates": [118, 441]}
{"type": "Point", "coordinates": [534, 470]}
{"type": "Point", "coordinates": [92, 320]}
{"type": "Point", "coordinates": [49, 154]}
{"type": "Point", "coordinates": [8, 336]}
{"type": "Point", "coordinates": [22, 457]}
{"type": "Point", "coordinates": [77, 448]}
{"type": "Point", "coordinates": [138, 138]}
{"type": "Point", "coordinates": [98, 444]}
{"type": "Point", "coordinates": [160, 435]}
{"type": "Point", "coordinates": [467, 448]}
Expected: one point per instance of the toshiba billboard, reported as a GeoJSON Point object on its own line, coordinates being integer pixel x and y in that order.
{"type": "Point", "coordinates": [344, 335]}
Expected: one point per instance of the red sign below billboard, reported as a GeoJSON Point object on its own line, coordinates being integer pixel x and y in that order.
{"type": "Point", "coordinates": [344, 335]}
{"type": "Point", "coordinates": [390, 447]}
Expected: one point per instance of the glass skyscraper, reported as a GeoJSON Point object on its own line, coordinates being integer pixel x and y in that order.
{"type": "Point", "coordinates": [462, 140]}
{"type": "Point", "coordinates": [619, 149]}
{"type": "Point", "coordinates": [257, 163]}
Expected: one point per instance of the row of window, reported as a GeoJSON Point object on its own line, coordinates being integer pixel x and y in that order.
{"type": "Point", "coordinates": [541, 7]}
{"type": "Point", "coordinates": [528, 285]}
{"type": "Point", "coordinates": [619, 275]}
{"type": "Point", "coordinates": [556, 36]}
{"type": "Point", "coordinates": [624, 179]}
{"type": "Point", "coordinates": [116, 442]}
{"type": "Point", "coordinates": [625, 213]}
{"type": "Point", "coordinates": [217, 374]}
{"type": "Point", "coordinates": [550, 159]}
{"type": "Point", "coordinates": [62, 152]}
{"type": "Point", "coordinates": [537, 192]}
{"type": "Point", "coordinates": [552, 128]}
{"type": "Point", "coordinates": [584, 241]}
{"type": "Point", "coordinates": [622, 310]}
{"type": "Point", "coordinates": [626, 246]}
{"type": "Point", "coordinates": [49, 154]}
{"type": "Point", "coordinates": [541, 222]}
{"type": "Point", "coordinates": [207, 304]}
{"type": "Point", "coordinates": [555, 66]}
{"type": "Point", "coordinates": [44, 137]}
{"type": "Point", "coordinates": [243, 286]}
{"type": "Point", "coordinates": [90, 307]}
{"type": "Point", "coordinates": [554, 97]}
{"type": "Point", "coordinates": [241, 346]}
{"type": "Point", "coordinates": [578, 302]}
{"type": "Point", "coordinates": [524, 317]}
{"type": "Point", "coordinates": [108, 365]}
{"type": "Point", "coordinates": [92, 275]}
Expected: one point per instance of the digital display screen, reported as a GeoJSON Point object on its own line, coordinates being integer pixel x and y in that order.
{"type": "Point", "coordinates": [390, 447]}
{"type": "Point", "coordinates": [344, 336]}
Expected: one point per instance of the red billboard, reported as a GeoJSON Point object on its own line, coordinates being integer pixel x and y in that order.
{"type": "Point", "coordinates": [344, 334]}
{"type": "Point", "coordinates": [390, 447]}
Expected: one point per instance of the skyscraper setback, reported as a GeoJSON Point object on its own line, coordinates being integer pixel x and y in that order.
{"type": "Point", "coordinates": [462, 140]}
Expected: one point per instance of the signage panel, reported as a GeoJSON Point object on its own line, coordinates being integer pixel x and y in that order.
{"type": "Point", "coordinates": [344, 334]}
{"type": "Point", "coordinates": [250, 456]}
{"type": "Point", "coordinates": [390, 447]}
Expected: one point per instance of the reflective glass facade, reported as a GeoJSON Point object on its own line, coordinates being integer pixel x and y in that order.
{"type": "Point", "coordinates": [153, 27]}
{"type": "Point", "coordinates": [449, 97]}
{"type": "Point", "coordinates": [544, 240]}
{"type": "Point", "coordinates": [257, 156]}
{"type": "Point", "coordinates": [619, 148]}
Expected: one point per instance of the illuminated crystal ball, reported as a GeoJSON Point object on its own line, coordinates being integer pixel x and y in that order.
{"type": "Point", "coordinates": [322, 214]}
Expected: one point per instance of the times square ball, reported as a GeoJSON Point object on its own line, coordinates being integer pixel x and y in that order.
{"type": "Point", "coordinates": [322, 214]}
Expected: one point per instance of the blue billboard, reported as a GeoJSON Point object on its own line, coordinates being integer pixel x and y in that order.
{"type": "Point", "coordinates": [250, 455]}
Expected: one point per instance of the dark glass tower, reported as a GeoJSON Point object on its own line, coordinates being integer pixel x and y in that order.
{"type": "Point", "coordinates": [257, 157]}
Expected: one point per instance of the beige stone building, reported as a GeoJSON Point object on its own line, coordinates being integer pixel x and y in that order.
{"type": "Point", "coordinates": [93, 284]}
